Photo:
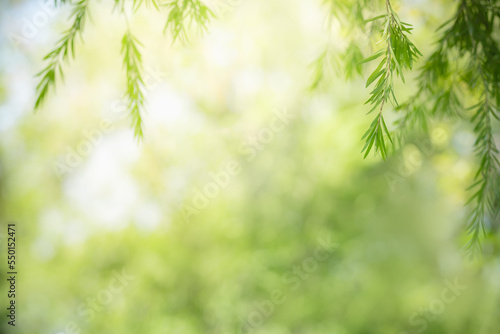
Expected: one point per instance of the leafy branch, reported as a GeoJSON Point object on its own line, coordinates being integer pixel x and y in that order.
{"type": "Point", "coordinates": [183, 13]}
{"type": "Point", "coordinates": [468, 38]}
{"type": "Point", "coordinates": [64, 49]}
{"type": "Point", "coordinates": [462, 67]}
{"type": "Point", "coordinates": [438, 96]}
{"type": "Point", "coordinates": [132, 61]}
{"type": "Point", "coordinates": [487, 175]}
{"type": "Point", "coordinates": [399, 54]}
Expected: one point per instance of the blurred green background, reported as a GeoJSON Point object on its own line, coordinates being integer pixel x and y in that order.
{"type": "Point", "coordinates": [105, 244]}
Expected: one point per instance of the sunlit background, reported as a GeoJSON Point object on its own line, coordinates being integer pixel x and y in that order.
{"type": "Point", "coordinates": [299, 235]}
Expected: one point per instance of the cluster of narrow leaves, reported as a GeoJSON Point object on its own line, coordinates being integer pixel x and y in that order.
{"type": "Point", "coordinates": [485, 186]}
{"type": "Point", "coordinates": [438, 96]}
{"type": "Point", "coordinates": [180, 15]}
{"type": "Point", "coordinates": [398, 55]}
{"type": "Point", "coordinates": [463, 69]}
{"type": "Point", "coordinates": [132, 62]}
{"type": "Point", "coordinates": [351, 13]}
{"type": "Point", "coordinates": [65, 48]}
{"type": "Point", "coordinates": [339, 58]}
{"type": "Point", "coordinates": [465, 66]}
{"type": "Point", "coordinates": [323, 66]}
{"type": "Point", "coordinates": [473, 32]}
{"type": "Point", "coordinates": [330, 63]}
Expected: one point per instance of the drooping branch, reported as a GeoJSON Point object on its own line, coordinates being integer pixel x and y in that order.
{"type": "Point", "coordinates": [399, 54]}
{"type": "Point", "coordinates": [132, 61]}
{"type": "Point", "coordinates": [65, 48]}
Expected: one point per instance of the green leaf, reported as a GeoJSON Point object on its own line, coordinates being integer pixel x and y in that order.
{"type": "Point", "coordinates": [376, 18]}
{"type": "Point", "coordinates": [372, 57]}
